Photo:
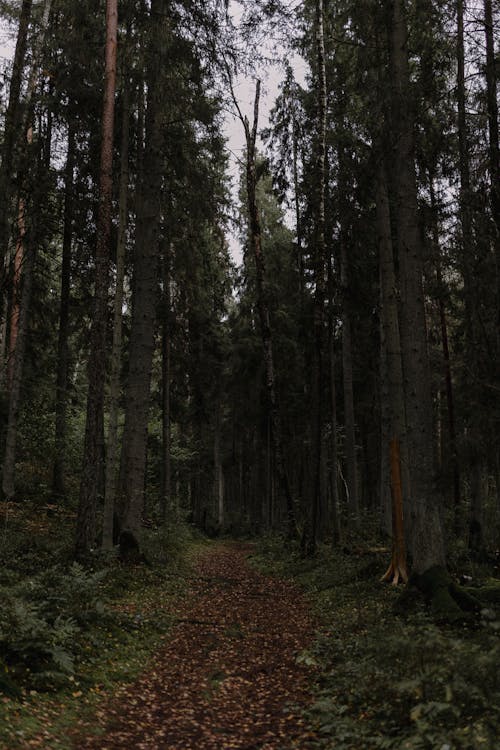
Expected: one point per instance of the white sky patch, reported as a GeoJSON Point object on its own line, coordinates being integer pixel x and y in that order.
{"type": "Point", "coordinates": [244, 89]}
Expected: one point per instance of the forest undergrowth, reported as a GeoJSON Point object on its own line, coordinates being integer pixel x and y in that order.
{"type": "Point", "coordinates": [383, 676]}
{"type": "Point", "coordinates": [390, 676]}
{"type": "Point", "coordinates": [69, 634]}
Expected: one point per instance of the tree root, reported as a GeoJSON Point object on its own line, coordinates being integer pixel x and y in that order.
{"type": "Point", "coordinates": [448, 602]}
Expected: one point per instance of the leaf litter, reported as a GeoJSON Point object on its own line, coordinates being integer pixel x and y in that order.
{"type": "Point", "coordinates": [230, 675]}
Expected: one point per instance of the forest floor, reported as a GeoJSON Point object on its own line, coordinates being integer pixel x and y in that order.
{"type": "Point", "coordinates": [229, 677]}
{"type": "Point", "coordinates": [224, 670]}
{"type": "Point", "coordinates": [220, 645]}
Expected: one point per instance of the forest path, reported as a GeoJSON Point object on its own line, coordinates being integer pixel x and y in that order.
{"type": "Point", "coordinates": [228, 676]}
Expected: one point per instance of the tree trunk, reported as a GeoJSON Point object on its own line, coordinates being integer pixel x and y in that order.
{"type": "Point", "coordinates": [334, 453]}
{"type": "Point", "coordinates": [494, 149]}
{"type": "Point", "coordinates": [11, 134]}
{"type": "Point", "coordinates": [16, 288]}
{"type": "Point", "coordinates": [263, 307]}
{"type": "Point", "coordinates": [165, 378]}
{"type": "Point", "coordinates": [472, 325]}
{"type": "Point", "coordinates": [450, 402]}
{"type": "Point", "coordinates": [347, 365]}
{"type": "Point", "coordinates": [146, 268]}
{"type": "Point", "coordinates": [35, 64]}
{"type": "Point", "coordinates": [218, 471]}
{"type": "Point", "coordinates": [8, 475]}
{"type": "Point", "coordinates": [93, 449]}
{"type": "Point", "coordinates": [319, 279]}
{"type": "Point", "coordinates": [298, 223]}
{"type": "Point", "coordinates": [116, 351]}
{"type": "Point", "coordinates": [397, 568]}
{"type": "Point", "coordinates": [426, 541]}
{"type": "Point", "coordinates": [347, 379]}
{"type": "Point", "coordinates": [58, 479]}
{"type": "Point", "coordinates": [391, 341]}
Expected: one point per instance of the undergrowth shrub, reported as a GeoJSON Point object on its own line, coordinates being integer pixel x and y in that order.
{"type": "Point", "coordinates": [387, 681]}
{"type": "Point", "coordinates": [40, 618]}
{"type": "Point", "coordinates": [167, 544]}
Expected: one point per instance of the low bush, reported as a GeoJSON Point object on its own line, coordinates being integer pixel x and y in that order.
{"type": "Point", "coordinates": [386, 680]}
{"type": "Point", "coordinates": [40, 619]}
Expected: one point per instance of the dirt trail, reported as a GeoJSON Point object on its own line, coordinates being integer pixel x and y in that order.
{"type": "Point", "coordinates": [228, 677]}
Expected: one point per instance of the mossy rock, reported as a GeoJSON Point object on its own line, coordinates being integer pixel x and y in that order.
{"type": "Point", "coordinates": [448, 602]}
{"type": "Point", "coordinates": [489, 594]}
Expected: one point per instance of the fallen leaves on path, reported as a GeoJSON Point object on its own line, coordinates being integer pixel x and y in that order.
{"type": "Point", "coordinates": [229, 676]}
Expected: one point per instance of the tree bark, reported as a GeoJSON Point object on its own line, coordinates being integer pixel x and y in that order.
{"type": "Point", "coordinates": [319, 259]}
{"type": "Point", "coordinates": [165, 377]}
{"type": "Point", "coordinates": [391, 340]}
{"type": "Point", "coordinates": [397, 569]}
{"type": "Point", "coordinates": [347, 364]}
{"type": "Point", "coordinates": [450, 401]}
{"type": "Point", "coordinates": [334, 453]}
{"type": "Point", "coordinates": [93, 448]}
{"type": "Point", "coordinates": [263, 307]}
{"type": "Point", "coordinates": [218, 470]}
{"type": "Point", "coordinates": [494, 149]}
{"type": "Point", "coordinates": [472, 325]}
{"type": "Point", "coordinates": [145, 283]}
{"type": "Point", "coordinates": [58, 478]}
{"type": "Point", "coordinates": [11, 134]}
{"type": "Point", "coordinates": [426, 540]}
{"type": "Point", "coordinates": [15, 306]}
{"type": "Point", "coordinates": [348, 389]}
{"type": "Point", "coordinates": [298, 223]}
{"type": "Point", "coordinates": [28, 253]}
{"type": "Point", "coordinates": [116, 351]}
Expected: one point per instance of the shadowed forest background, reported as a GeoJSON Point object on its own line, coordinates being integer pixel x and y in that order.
{"type": "Point", "coordinates": [334, 397]}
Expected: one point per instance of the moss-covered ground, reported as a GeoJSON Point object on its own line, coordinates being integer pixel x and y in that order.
{"type": "Point", "coordinates": [387, 677]}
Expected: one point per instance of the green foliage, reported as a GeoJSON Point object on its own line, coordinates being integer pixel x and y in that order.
{"type": "Point", "coordinates": [168, 543]}
{"type": "Point", "coordinates": [40, 618]}
{"type": "Point", "coordinates": [385, 681]}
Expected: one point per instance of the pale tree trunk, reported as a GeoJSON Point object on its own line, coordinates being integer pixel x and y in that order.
{"type": "Point", "coordinates": [166, 501]}
{"type": "Point", "coordinates": [426, 539]}
{"type": "Point", "coordinates": [58, 480]}
{"type": "Point", "coordinates": [334, 453]}
{"type": "Point", "coordinates": [11, 134]}
{"type": "Point", "coordinates": [93, 448]}
{"type": "Point", "coordinates": [116, 351]}
{"type": "Point", "coordinates": [347, 365]}
{"type": "Point", "coordinates": [146, 269]}
{"type": "Point", "coordinates": [448, 380]}
{"type": "Point", "coordinates": [263, 308]}
{"type": "Point", "coordinates": [319, 256]}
